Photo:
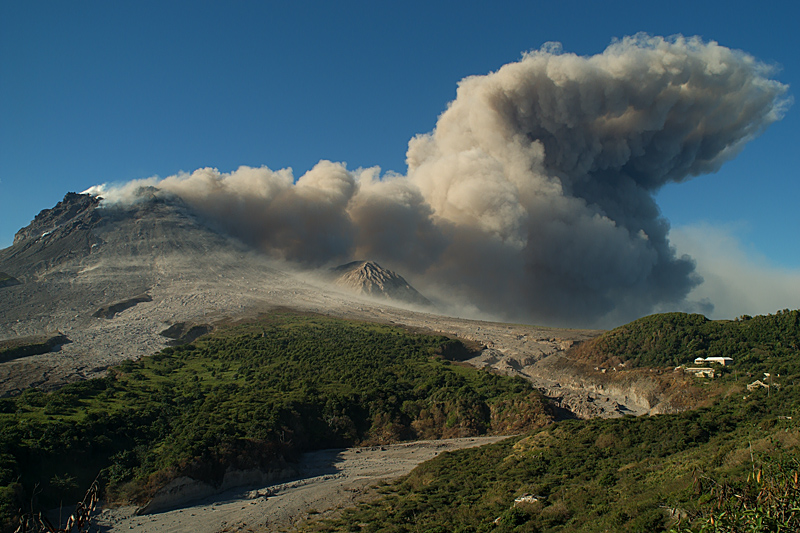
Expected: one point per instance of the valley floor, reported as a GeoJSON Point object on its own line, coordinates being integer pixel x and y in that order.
{"type": "Point", "coordinates": [328, 480]}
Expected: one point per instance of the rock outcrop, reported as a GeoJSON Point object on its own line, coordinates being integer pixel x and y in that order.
{"type": "Point", "coordinates": [56, 235]}
{"type": "Point", "coordinates": [110, 311]}
{"type": "Point", "coordinates": [7, 281]}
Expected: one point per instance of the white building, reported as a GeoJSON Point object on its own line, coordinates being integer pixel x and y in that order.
{"type": "Point", "coordinates": [724, 361]}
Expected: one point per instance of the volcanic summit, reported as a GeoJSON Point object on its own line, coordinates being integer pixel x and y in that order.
{"type": "Point", "coordinates": [113, 277]}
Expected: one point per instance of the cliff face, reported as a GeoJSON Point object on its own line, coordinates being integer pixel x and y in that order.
{"type": "Point", "coordinates": [54, 236]}
{"type": "Point", "coordinates": [59, 241]}
{"type": "Point", "coordinates": [371, 279]}
{"type": "Point", "coordinates": [75, 211]}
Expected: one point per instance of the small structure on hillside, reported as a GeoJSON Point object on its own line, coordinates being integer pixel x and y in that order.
{"type": "Point", "coordinates": [756, 384]}
{"type": "Point", "coordinates": [527, 498]}
{"type": "Point", "coordinates": [724, 361]}
{"type": "Point", "coordinates": [703, 372]}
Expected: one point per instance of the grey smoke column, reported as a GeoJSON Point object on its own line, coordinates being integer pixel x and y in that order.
{"type": "Point", "coordinates": [533, 198]}
{"type": "Point", "coordinates": [558, 157]}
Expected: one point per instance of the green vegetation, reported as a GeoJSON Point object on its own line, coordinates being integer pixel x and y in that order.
{"type": "Point", "coordinates": [249, 396]}
{"type": "Point", "coordinates": [256, 395]}
{"type": "Point", "coordinates": [644, 474]}
{"type": "Point", "coordinates": [768, 500]}
{"type": "Point", "coordinates": [758, 344]}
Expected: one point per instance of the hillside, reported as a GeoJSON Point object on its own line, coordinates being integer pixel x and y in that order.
{"type": "Point", "coordinates": [247, 397]}
{"type": "Point", "coordinates": [760, 344]}
{"type": "Point", "coordinates": [93, 291]}
{"type": "Point", "coordinates": [735, 460]}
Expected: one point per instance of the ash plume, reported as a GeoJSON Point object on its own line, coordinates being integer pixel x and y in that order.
{"type": "Point", "coordinates": [533, 197]}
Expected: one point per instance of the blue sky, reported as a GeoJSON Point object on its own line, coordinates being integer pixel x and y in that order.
{"type": "Point", "coordinates": [94, 92]}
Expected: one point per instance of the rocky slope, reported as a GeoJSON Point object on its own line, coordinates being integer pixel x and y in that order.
{"type": "Point", "coordinates": [369, 278]}
{"type": "Point", "coordinates": [7, 281]}
{"type": "Point", "coordinates": [111, 278]}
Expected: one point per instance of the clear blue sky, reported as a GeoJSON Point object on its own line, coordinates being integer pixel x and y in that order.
{"type": "Point", "coordinates": [98, 91]}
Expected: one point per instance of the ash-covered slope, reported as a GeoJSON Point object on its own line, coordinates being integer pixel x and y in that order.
{"type": "Point", "coordinates": [80, 255]}
{"type": "Point", "coordinates": [62, 238]}
{"type": "Point", "coordinates": [369, 278]}
{"type": "Point", "coordinates": [153, 262]}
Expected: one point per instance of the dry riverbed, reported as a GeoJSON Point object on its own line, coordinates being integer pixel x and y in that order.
{"type": "Point", "coordinates": [328, 480]}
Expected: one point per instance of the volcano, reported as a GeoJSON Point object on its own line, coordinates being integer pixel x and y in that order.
{"type": "Point", "coordinates": [112, 278]}
{"type": "Point", "coordinates": [111, 282]}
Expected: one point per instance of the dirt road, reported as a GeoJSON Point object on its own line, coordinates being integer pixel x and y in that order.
{"type": "Point", "coordinates": [328, 480]}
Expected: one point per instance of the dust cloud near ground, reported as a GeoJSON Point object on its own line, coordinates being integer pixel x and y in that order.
{"type": "Point", "coordinates": [225, 287]}
{"type": "Point", "coordinates": [326, 481]}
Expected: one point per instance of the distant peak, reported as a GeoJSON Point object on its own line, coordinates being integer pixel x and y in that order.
{"type": "Point", "coordinates": [360, 265]}
{"type": "Point", "coordinates": [369, 278]}
{"type": "Point", "coordinates": [72, 197]}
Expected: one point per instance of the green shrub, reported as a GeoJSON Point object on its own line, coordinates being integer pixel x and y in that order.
{"type": "Point", "coordinates": [248, 397]}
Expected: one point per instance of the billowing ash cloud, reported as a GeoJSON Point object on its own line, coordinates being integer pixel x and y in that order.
{"type": "Point", "coordinates": [533, 198]}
